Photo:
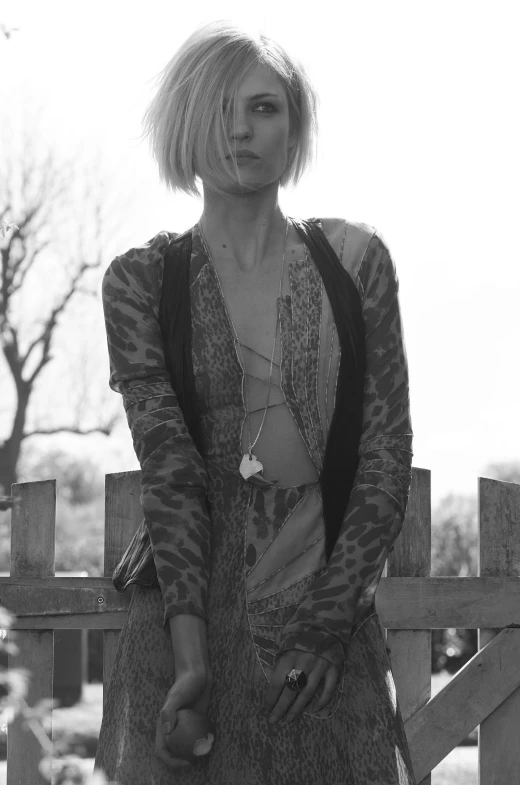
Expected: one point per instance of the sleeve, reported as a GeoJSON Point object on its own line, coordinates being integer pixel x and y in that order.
{"type": "Point", "coordinates": [344, 591]}
{"type": "Point", "coordinates": [173, 474]}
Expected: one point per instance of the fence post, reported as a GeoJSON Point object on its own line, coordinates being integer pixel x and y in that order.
{"type": "Point", "coordinates": [411, 650]}
{"type": "Point", "coordinates": [123, 514]}
{"type": "Point", "coordinates": [499, 521]}
{"type": "Point", "coordinates": [32, 555]}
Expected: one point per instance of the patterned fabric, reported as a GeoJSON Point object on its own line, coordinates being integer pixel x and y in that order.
{"type": "Point", "coordinates": [359, 740]}
{"type": "Point", "coordinates": [377, 504]}
{"type": "Point", "coordinates": [174, 479]}
{"type": "Point", "coordinates": [249, 560]}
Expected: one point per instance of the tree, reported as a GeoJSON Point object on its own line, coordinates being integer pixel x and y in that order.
{"type": "Point", "coordinates": [454, 552]}
{"type": "Point", "coordinates": [52, 220]}
{"type": "Point", "coordinates": [78, 479]}
{"type": "Point", "coordinates": [455, 536]}
{"type": "Point", "coordinates": [507, 471]}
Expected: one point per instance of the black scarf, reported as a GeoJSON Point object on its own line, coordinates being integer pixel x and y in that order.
{"type": "Point", "coordinates": [341, 452]}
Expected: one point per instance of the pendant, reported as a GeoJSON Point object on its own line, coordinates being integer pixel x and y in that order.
{"type": "Point", "coordinates": [261, 482]}
{"type": "Point", "coordinates": [250, 465]}
{"type": "Point", "coordinates": [251, 468]}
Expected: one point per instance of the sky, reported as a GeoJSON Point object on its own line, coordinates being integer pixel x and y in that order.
{"type": "Point", "coordinates": [419, 127]}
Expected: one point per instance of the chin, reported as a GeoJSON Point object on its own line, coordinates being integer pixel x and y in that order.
{"type": "Point", "coordinates": [249, 182]}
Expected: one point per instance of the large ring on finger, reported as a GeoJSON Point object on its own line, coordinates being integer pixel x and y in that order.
{"type": "Point", "coordinates": [296, 680]}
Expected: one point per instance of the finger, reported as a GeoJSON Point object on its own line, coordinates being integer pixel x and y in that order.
{"type": "Point", "coordinates": [295, 701]}
{"type": "Point", "coordinates": [163, 753]}
{"type": "Point", "coordinates": [306, 695]}
{"type": "Point", "coordinates": [292, 659]}
{"type": "Point", "coordinates": [173, 763]}
{"type": "Point", "coordinates": [330, 681]}
{"type": "Point", "coordinates": [168, 720]}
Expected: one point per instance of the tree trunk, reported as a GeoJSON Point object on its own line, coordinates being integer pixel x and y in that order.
{"type": "Point", "coordinates": [7, 469]}
{"type": "Point", "coordinates": [11, 448]}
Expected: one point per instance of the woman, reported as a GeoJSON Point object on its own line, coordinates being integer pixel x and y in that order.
{"type": "Point", "coordinates": [267, 395]}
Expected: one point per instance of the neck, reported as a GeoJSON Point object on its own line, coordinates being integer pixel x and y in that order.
{"type": "Point", "coordinates": [243, 231]}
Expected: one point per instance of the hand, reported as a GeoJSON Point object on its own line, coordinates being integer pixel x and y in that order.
{"type": "Point", "coordinates": [280, 698]}
{"type": "Point", "coordinates": [190, 690]}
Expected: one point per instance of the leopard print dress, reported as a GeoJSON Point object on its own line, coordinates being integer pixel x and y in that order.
{"type": "Point", "coordinates": [253, 560]}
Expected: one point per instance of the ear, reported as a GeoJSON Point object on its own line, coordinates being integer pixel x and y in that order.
{"type": "Point", "coordinates": [293, 138]}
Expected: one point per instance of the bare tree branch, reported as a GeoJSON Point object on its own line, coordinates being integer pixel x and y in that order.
{"type": "Point", "coordinates": [12, 353]}
{"type": "Point", "coordinates": [45, 338]}
{"type": "Point", "coordinates": [28, 261]}
{"type": "Point", "coordinates": [88, 293]}
{"type": "Point", "coordinates": [106, 429]}
{"type": "Point", "coordinates": [8, 31]}
{"type": "Point", "coordinates": [55, 207]}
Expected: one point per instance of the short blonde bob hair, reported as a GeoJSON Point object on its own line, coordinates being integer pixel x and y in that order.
{"type": "Point", "coordinates": [188, 108]}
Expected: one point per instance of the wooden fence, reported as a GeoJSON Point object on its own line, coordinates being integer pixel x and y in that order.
{"type": "Point", "coordinates": [410, 604]}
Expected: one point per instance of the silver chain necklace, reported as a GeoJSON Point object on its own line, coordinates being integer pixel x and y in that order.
{"type": "Point", "coordinates": [250, 467]}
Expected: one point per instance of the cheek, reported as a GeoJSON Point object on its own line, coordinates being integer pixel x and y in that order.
{"type": "Point", "coordinates": [280, 139]}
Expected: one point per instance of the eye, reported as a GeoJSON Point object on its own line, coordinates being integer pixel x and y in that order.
{"type": "Point", "coordinates": [271, 107]}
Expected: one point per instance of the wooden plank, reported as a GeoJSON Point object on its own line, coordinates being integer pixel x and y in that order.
{"type": "Point", "coordinates": [32, 554]}
{"type": "Point", "coordinates": [26, 601]}
{"type": "Point", "coordinates": [499, 518]}
{"type": "Point", "coordinates": [64, 581]}
{"type": "Point", "coordinates": [33, 529]}
{"type": "Point", "coordinates": [123, 515]}
{"type": "Point", "coordinates": [488, 679]}
{"type": "Point", "coordinates": [410, 649]}
{"type": "Point", "coordinates": [440, 602]}
{"type": "Point", "coordinates": [402, 603]}
{"type": "Point", "coordinates": [75, 621]}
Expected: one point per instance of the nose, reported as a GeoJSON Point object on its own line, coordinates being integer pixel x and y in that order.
{"type": "Point", "coordinates": [240, 126]}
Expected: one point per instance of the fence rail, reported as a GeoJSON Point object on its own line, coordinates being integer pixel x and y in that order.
{"type": "Point", "coordinates": [410, 603]}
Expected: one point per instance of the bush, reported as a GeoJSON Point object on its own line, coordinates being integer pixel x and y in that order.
{"type": "Point", "coordinates": [454, 552]}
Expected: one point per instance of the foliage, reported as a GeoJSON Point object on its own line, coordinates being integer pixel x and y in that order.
{"type": "Point", "coordinates": [455, 547]}
{"type": "Point", "coordinates": [454, 552]}
{"type": "Point", "coordinates": [80, 510]}
{"type": "Point", "coordinates": [455, 536]}
{"type": "Point", "coordinates": [80, 536]}
{"type": "Point", "coordinates": [507, 471]}
{"type": "Point", "coordinates": [56, 765]}
{"type": "Point", "coordinates": [78, 480]}
{"type": "Point", "coordinates": [53, 228]}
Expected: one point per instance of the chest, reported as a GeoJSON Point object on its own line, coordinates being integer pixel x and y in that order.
{"type": "Point", "coordinates": [304, 357]}
{"type": "Point", "coordinates": [251, 303]}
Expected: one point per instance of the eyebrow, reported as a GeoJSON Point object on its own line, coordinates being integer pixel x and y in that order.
{"type": "Point", "coordinates": [259, 95]}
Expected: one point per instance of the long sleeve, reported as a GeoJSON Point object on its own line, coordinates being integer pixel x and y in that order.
{"type": "Point", "coordinates": [173, 474]}
{"type": "Point", "coordinates": [344, 590]}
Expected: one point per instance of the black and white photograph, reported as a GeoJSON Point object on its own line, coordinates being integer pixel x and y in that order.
{"type": "Point", "coordinates": [259, 439]}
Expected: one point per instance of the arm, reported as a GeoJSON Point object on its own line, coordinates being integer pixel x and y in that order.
{"type": "Point", "coordinates": [173, 475]}
{"type": "Point", "coordinates": [344, 591]}
{"type": "Point", "coordinates": [190, 648]}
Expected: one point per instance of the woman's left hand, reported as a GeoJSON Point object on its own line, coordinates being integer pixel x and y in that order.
{"type": "Point", "coordinates": [281, 699]}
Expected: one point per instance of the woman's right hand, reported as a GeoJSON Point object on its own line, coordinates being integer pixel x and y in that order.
{"type": "Point", "coordinates": [191, 690]}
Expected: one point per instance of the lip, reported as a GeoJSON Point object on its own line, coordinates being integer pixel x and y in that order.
{"type": "Point", "coordinates": [243, 154]}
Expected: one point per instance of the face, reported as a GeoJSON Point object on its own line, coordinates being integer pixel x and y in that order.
{"type": "Point", "coordinates": [259, 122]}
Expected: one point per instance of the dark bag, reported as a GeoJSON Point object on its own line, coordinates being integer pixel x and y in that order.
{"type": "Point", "coordinates": [341, 452]}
